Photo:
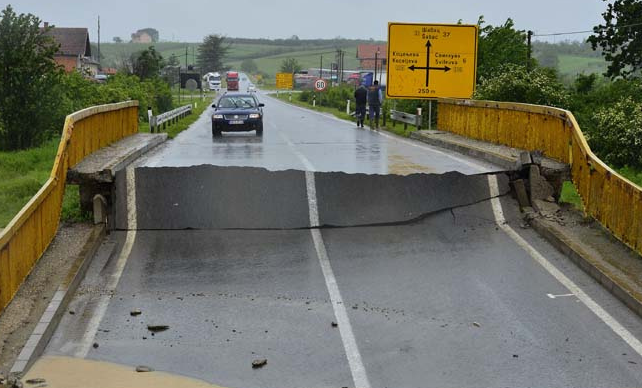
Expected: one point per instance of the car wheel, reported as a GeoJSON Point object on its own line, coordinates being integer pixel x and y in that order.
{"type": "Point", "coordinates": [259, 131]}
{"type": "Point", "coordinates": [216, 132]}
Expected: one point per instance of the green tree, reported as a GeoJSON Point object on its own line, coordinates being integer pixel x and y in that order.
{"type": "Point", "coordinates": [290, 65]}
{"type": "Point", "coordinates": [211, 53]}
{"type": "Point", "coordinates": [147, 63]}
{"type": "Point", "coordinates": [28, 74]}
{"type": "Point", "coordinates": [621, 46]}
{"type": "Point", "coordinates": [117, 39]}
{"type": "Point", "coordinates": [249, 66]}
{"type": "Point", "coordinates": [499, 46]}
{"type": "Point", "coordinates": [516, 83]}
{"type": "Point", "coordinates": [619, 138]}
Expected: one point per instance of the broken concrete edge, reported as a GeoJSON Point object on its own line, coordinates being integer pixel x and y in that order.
{"type": "Point", "coordinates": [586, 262]}
{"type": "Point", "coordinates": [50, 319]}
{"type": "Point", "coordinates": [119, 165]}
{"type": "Point", "coordinates": [106, 175]}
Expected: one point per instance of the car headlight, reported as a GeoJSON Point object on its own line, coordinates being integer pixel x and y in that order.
{"type": "Point", "coordinates": [217, 116]}
{"type": "Point", "coordinates": [255, 116]}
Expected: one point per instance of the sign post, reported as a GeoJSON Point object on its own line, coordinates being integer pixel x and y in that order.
{"type": "Point", "coordinates": [431, 60]}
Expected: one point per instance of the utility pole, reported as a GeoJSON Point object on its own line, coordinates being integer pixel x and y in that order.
{"type": "Point", "coordinates": [528, 64]}
{"type": "Point", "coordinates": [321, 68]}
{"type": "Point", "coordinates": [98, 40]}
{"type": "Point", "coordinates": [376, 59]}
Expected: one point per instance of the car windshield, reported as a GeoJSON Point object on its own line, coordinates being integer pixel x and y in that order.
{"type": "Point", "coordinates": [237, 102]}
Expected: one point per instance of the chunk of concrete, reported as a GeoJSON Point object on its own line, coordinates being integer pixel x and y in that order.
{"type": "Point", "coordinates": [522, 195]}
{"type": "Point", "coordinates": [539, 187]}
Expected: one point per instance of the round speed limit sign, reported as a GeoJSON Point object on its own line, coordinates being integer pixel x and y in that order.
{"type": "Point", "coordinates": [320, 85]}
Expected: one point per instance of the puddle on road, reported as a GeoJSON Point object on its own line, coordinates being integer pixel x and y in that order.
{"type": "Point", "coordinates": [67, 372]}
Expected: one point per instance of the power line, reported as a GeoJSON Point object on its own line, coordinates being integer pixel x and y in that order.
{"type": "Point", "coordinates": [586, 31]}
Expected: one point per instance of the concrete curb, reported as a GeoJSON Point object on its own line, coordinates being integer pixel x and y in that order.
{"type": "Point", "coordinates": [485, 155]}
{"type": "Point", "coordinates": [589, 265]}
{"type": "Point", "coordinates": [157, 140]}
{"type": "Point", "coordinates": [58, 305]}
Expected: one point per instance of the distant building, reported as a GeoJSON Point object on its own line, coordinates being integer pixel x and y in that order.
{"type": "Point", "coordinates": [366, 54]}
{"type": "Point", "coordinates": [109, 71]}
{"type": "Point", "coordinates": [146, 35]}
{"type": "Point", "coordinates": [74, 53]}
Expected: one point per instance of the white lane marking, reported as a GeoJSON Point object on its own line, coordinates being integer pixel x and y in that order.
{"type": "Point", "coordinates": [553, 296]}
{"type": "Point", "coordinates": [103, 302]}
{"type": "Point", "coordinates": [557, 274]}
{"type": "Point", "coordinates": [311, 189]}
{"type": "Point", "coordinates": [357, 369]}
{"type": "Point", "coordinates": [469, 163]}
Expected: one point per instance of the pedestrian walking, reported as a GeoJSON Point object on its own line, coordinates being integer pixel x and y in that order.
{"type": "Point", "coordinates": [375, 98]}
{"type": "Point", "coordinates": [361, 98]}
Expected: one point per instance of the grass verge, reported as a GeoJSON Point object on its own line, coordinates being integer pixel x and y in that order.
{"type": "Point", "coordinates": [284, 96]}
{"type": "Point", "coordinates": [22, 174]}
{"type": "Point", "coordinates": [184, 123]}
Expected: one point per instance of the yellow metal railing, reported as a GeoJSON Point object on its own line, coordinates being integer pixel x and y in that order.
{"type": "Point", "coordinates": [608, 197]}
{"type": "Point", "coordinates": [29, 233]}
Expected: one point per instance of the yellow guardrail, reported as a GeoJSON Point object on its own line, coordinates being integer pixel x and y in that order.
{"type": "Point", "coordinates": [29, 233]}
{"type": "Point", "coordinates": [608, 197]}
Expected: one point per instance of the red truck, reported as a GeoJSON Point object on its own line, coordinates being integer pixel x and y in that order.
{"type": "Point", "coordinates": [232, 80]}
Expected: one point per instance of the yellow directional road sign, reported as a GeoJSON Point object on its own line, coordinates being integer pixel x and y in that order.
{"type": "Point", "coordinates": [431, 60]}
{"type": "Point", "coordinates": [284, 80]}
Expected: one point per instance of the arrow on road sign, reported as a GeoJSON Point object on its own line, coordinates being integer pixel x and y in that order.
{"type": "Point", "coordinates": [428, 67]}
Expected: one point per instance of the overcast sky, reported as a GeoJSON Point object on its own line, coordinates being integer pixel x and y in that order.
{"type": "Point", "coordinates": [193, 19]}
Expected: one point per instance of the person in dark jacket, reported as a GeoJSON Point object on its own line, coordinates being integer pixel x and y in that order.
{"type": "Point", "coordinates": [375, 99]}
{"type": "Point", "coordinates": [361, 97]}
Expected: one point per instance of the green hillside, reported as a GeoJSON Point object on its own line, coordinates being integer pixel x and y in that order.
{"type": "Point", "coordinates": [307, 59]}
{"type": "Point", "coordinates": [573, 64]}
{"type": "Point", "coordinates": [267, 54]}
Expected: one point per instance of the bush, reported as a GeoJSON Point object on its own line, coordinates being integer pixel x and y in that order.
{"type": "Point", "coordinates": [76, 92]}
{"type": "Point", "coordinates": [617, 138]}
{"type": "Point", "coordinates": [515, 83]}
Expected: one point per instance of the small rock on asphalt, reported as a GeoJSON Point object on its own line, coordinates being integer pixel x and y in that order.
{"type": "Point", "coordinates": [334, 324]}
{"type": "Point", "coordinates": [134, 313]}
{"type": "Point", "coordinates": [259, 363]}
{"type": "Point", "coordinates": [476, 324]}
{"type": "Point", "coordinates": [35, 381]}
{"type": "Point", "coordinates": [156, 328]}
{"type": "Point", "coordinates": [95, 345]}
{"type": "Point", "coordinates": [143, 368]}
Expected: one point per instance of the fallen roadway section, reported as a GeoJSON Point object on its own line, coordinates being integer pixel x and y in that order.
{"type": "Point", "coordinates": [244, 277]}
{"type": "Point", "coordinates": [212, 197]}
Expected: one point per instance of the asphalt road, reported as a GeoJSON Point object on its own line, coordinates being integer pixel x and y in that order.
{"type": "Point", "coordinates": [459, 297]}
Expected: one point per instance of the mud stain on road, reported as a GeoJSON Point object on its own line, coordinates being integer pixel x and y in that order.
{"type": "Point", "coordinates": [67, 372]}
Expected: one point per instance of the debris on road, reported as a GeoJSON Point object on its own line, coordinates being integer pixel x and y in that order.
{"type": "Point", "coordinates": [143, 368]}
{"type": "Point", "coordinates": [72, 312]}
{"type": "Point", "coordinates": [259, 363]}
{"type": "Point", "coordinates": [135, 312]}
{"type": "Point", "coordinates": [35, 381]}
{"type": "Point", "coordinates": [515, 356]}
{"type": "Point", "coordinates": [95, 345]}
{"type": "Point", "coordinates": [476, 324]}
{"type": "Point", "coordinates": [334, 324]}
{"type": "Point", "coordinates": [157, 328]}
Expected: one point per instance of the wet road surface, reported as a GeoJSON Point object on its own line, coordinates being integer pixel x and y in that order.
{"type": "Point", "coordinates": [455, 298]}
